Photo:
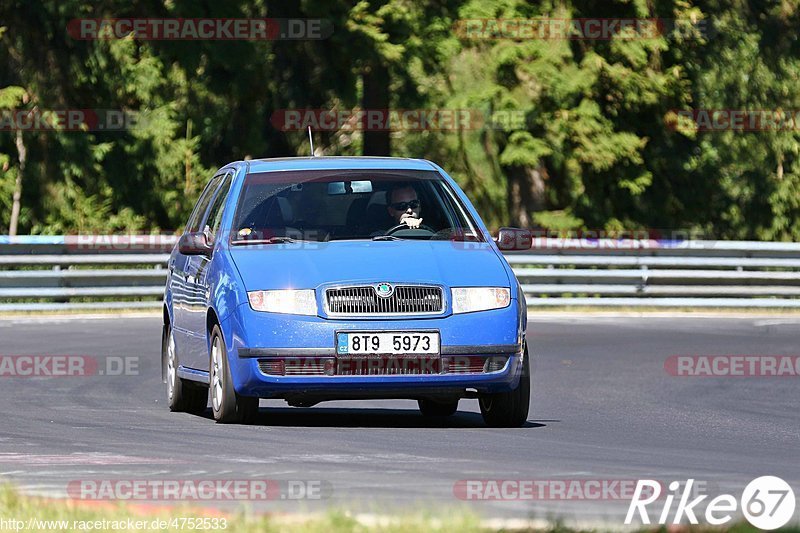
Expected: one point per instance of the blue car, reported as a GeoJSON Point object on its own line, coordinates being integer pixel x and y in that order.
{"type": "Point", "coordinates": [331, 278]}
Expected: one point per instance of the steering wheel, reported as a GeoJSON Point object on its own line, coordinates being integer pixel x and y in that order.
{"type": "Point", "coordinates": [399, 227]}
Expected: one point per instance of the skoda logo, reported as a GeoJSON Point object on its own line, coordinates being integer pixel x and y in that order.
{"type": "Point", "coordinates": [384, 290]}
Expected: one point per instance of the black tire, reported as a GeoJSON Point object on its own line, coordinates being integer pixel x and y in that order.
{"type": "Point", "coordinates": [434, 408]}
{"type": "Point", "coordinates": [182, 396]}
{"type": "Point", "coordinates": [509, 409]}
{"type": "Point", "coordinates": [227, 406]}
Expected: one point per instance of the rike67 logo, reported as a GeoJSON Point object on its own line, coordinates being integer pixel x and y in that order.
{"type": "Point", "coordinates": [768, 503]}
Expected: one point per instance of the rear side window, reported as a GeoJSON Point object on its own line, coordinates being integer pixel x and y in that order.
{"type": "Point", "coordinates": [198, 215]}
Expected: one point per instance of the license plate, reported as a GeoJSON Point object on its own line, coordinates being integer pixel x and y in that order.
{"type": "Point", "coordinates": [391, 343]}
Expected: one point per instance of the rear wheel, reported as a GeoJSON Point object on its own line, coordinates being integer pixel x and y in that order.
{"type": "Point", "coordinates": [227, 405]}
{"type": "Point", "coordinates": [434, 408]}
{"type": "Point", "coordinates": [509, 409]}
{"type": "Point", "coordinates": [181, 395]}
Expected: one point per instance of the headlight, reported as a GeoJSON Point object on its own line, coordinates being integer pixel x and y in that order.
{"type": "Point", "coordinates": [469, 299]}
{"type": "Point", "coordinates": [291, 301]}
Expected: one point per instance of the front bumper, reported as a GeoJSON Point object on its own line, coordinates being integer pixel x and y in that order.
{"type": "Point", "coordinates": [254, 337]}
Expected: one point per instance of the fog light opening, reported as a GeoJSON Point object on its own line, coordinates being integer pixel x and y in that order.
{"type": "Point", "coordinates": [494, 364]}
{"type": "Point", "coordinates": [272, 367]}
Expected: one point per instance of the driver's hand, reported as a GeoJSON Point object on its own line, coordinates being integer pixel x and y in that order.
{"type": "Point", "coordinates": [410, 221]}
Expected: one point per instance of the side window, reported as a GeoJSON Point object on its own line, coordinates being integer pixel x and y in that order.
{"type": "Point", "coordinates": [214, 217]}
{"type": "Point", "coordinates": [202, 205]}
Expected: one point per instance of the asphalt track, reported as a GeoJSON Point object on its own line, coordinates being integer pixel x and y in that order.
{"type": "Point", "coordinates": [603, 408]}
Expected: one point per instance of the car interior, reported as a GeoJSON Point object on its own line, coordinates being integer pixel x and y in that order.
{"type": "Point", "coordinates": [336, 210]}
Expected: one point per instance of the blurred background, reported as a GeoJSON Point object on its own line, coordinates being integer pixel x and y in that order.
{"type": "Point", "coordinates": [574, 133]}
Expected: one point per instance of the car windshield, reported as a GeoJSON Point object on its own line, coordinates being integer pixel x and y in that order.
{"type": "Point", "coordinates": [333, 205]}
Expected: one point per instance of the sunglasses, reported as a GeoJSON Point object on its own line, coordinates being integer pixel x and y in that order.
{"type": "Point", "coordinates": [403, 206]}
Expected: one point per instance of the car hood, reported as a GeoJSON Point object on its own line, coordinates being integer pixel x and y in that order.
{"type": "Point", "coordinates": [306, 265]}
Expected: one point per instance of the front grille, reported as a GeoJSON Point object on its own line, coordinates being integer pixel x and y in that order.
{"type": "Point", "coordinates": [405, 300]}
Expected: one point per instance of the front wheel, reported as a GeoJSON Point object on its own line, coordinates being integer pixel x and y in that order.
{"type": "Point", "coordinates": [181, 396]}
{"type": "Point", "coordinates": [509, 409]}
{"type": "Point", "coordinates": [227, 406]}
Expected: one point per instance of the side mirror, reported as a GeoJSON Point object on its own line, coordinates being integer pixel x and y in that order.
{"type": "Point", "coordinates": [514, 239]}
{"type": "Point", "coordinates": [195, 243]}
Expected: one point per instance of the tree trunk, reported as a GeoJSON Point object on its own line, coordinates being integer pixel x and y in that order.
{"type": "Point", "coordinates": [17, 197]}
{"type": "Point", "coordinates": [526, 193]}
{"type": "Point", "coordinates": [376, 98]}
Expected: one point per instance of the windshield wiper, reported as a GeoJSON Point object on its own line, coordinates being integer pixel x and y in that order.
{"type": "Point", "coordinates": [271, 240]}
{"type": "Point", "coordinates": [386, 238]}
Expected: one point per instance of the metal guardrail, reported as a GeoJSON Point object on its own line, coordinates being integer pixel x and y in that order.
{"type": "Point", "coordinates": [108, 272]}
{"type": "Point", "coordinates": [659, 273]}
{"type": "Point", "coordinates": [83, 272]}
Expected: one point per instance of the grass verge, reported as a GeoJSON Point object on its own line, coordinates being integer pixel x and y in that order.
{"type": "Point", "coordinates": [27, 513]}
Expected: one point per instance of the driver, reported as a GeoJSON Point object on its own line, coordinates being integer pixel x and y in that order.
{"type": "Point", "coordinates": [404, 206]}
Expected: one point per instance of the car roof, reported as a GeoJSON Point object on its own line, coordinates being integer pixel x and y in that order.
{"type": "Point", "coordinates": [338, 163]}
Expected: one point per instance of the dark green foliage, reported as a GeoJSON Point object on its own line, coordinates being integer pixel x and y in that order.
{"type": "Point", "coordinates": [597, 145]}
